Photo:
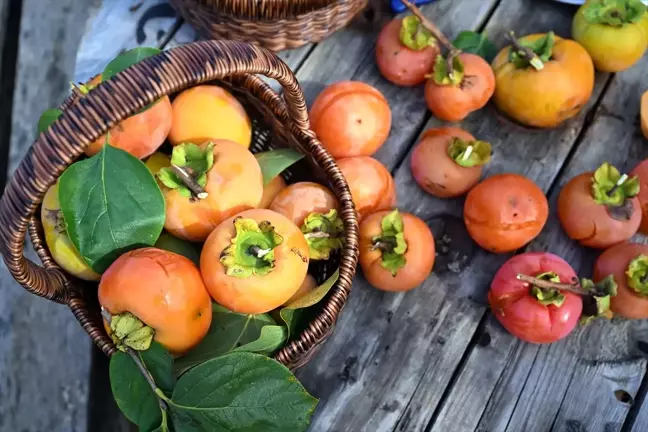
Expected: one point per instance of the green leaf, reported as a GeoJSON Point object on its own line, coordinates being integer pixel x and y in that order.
{"type": "Point", "coordinates": [469, 153]}
{"type": "Point", "coordinates": [274, 162]}
{"type": "Point", "coordinates": [324, 233]}
{"type": "Point", "coordinates": [292, 313]}
{"type": "Point", "coordinates": [131, 391]}
{"type": "Point", "coordinates": [164, 426]}
{"type": "Point", "coordinates": [596, 304]}
{"type": "Point", "coordinates": [111, 204]}
{"type": "Point", "coordinates": [614, 13]}
{"type": "Point", "coordinates": [242, 392]}
{"type": "Point", "coordinates": [541, 47]}
{"type": "Point", "coordinates": [476, 43]}
{"type": "Point", "coordinates": [47, 118]}
{"type": "Point", "coordinates": [414, 36]}
{"type": "Point", "coordinates": [391, 242]}
{"type": "Point", "coordinates": [185, 248]}
{"type": "Point", "coordinates": [126, 60]}
{"type": "Point", "coordinates": [230, 331]}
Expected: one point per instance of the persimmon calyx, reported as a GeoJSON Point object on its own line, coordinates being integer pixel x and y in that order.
{"type": "Point", "coordinates": [614, 13]}
{"type": "Point", "coordinates": [187, 174]}
{"type": "Point", "coordinates": [391, 242]}
{"type": "Point", "coordinates": [531, 53]}
{"type": "Point", "coordinates": [611, 188]}
{"type": "Point", "coordinates": [596, 304]}
{"type": "Point", "coordinates": [415, 36]}
{"type": "Point", "coordinates": [128, 331]}
{"type": "Point", "coordinates": [444, 75]}
{"type": "Point", "coordinates": [548, 296]}
{"type": "Point", "coordinates": [469, 153]}
{"type": "Point", "coordinates": [324, 233]}
{"type": "Point", "coordinates": [637, 275]}
{"type": "Point", "coordinates": [251, 251]}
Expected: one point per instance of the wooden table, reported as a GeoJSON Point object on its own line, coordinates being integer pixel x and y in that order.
{"type": "Point", "coordinates": [435, 359]}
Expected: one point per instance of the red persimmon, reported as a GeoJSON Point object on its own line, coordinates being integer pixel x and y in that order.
{"type": "Point", "coordinates": [533, 314]}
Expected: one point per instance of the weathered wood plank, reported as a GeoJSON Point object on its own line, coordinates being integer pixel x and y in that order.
{"type": "Point", "coordinates": [613, 137]}
{"type": "Point", "coordinates": [427, 330]}
{"type": "Point", "coordinates": [639, 422]}
{"type": "Point", "coordinates": [349, 54]}
{"type": "Point", "coordinates": [120, 25]}
{"type": "Point", "coordinates": [44, 364]}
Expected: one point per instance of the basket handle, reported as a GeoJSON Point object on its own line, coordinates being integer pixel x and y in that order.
{"type": "Point", "coordinates": [96, 113]}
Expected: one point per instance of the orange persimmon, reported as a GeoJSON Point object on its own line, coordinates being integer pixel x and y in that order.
{"type": "Point", "coordinates": [254, 262]}
{"type": "Point", "coordinates": [372, 186]}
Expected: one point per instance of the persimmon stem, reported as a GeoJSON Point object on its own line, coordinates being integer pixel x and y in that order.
{"type": "Point", "coordinates": [385, 245]}
{"type": "Point", "coordinates": [618, 184]}
{"type": "Point", "coordinates": [317, 234]}
{"type": "Point", "coordinates": [467, 153]}
{"type": "Point", "coordinates": [185, 175]}
{"type": "Point", "coordinates": [438, 35]}
{"type": "Point", "coordinates": [541, 283]}
{"type": "Point", "coordinates": [258, 251]}
{"type": "Point", "coordinates": [138, 362]}
{"type": "Point", "coordinates": [533, 58]}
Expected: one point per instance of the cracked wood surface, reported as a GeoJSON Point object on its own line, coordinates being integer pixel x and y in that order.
{"type": "Point", "coordinates": [434, 359]}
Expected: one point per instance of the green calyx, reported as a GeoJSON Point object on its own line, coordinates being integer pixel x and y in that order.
{"type": "Point", "coordinates": [391, 242]}
{"type": "Point", "coordinates": [637, 275]}
{"type": "Point", "coordinates": [445, 75]}
{"type": "Point", "coordinates": [614, 13]}
{"type": "Point", "coordinates": [596, 298]}
{"type": "Point", "coordinates": [190, 164]}
{"type": "Point", "coordinates": [547, 296]}
{"type": "Point", "coordinates": [469, 153]}
{"type": "Point", "coordinates": [532, 53]}
{"type": "Point", "coordinates": [323, 231]}
{"type": "Point", "coordinates": [611, 188]}
{"type": "Point", "coordinates": [414, 36]}
{"type": "Point", "coordinates": [127, 331]}
{"type": "Point", "coordinates": [252, 249]}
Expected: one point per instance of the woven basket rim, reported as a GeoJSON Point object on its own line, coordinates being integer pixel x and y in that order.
{"type": "Point", "coordinates": [125, 94]}
{"type": "Point", "coordinates": [266, 9]}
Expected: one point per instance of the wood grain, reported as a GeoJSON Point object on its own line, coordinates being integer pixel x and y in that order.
{"type": "Point", "coordinates": [403, 350]}
{"type": "Point", "coordinates": [44, 365]}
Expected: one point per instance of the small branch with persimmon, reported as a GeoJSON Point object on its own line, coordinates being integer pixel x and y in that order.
{"type": "Point", "coordinates": [533, 58]}
{"type": "Point", "coordinates": [574, 287]}
{"type": "Point", "coordinates": [453, 51]}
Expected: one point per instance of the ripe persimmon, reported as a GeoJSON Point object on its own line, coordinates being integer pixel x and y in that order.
{"type": "Point", "coordinates": [396, 250]}
{"type": "Point", "coordinates": [405, 51]}
{"type": "Point", "coordinates": [447, 162]}
{"type": "Point", "coordinates": [313, 208]}
{"type": "Point", "coordinates": [641, 172]}
{"type": "Point", "coordinates": [226, 180]}
{"type": "Point", "coordinates": [270, 191]}
{"type": "Point", "coordinates": [546, 83]}
{"type": "Point", "coordinates": [611, 32]}
{"type": "Point", "coordinates": [163, 291]}
{"type": "Point", "coordinates": [453, 97]}
{"type": "Point", "coordinates": [140, 134]}
{"type": "Point", "coordinates": [505, 212]}
{"type": "Point", "coordinates": [372, 186]}
{"type": "Point", "coordinates": [254, 262]}
{"type": "Point", "coordinates": [600, 209]}
{"type": "Point", "coordinates": [58, 241]}
{"type": "Point", "coordinates": [628, 263]}
{"type": "Point", "coordinates": [351, 118]}
{"type": "Point", "coordinates": [209, 112]}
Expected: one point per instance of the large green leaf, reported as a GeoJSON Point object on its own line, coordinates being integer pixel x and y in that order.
{"type": "Point", "coordinates": [242, 392]}
{"type": "Point", "coordinates": [131, 391]}
{"type": "Point", "coordinates": [185, 248]}
{"type": "Point", "coordinates": [111, 203]}
{"type": "Point", "coordinates": [126, 60]}
{"type": "Point", "coordinates": [231, 331]}
{"type": "Point", "coordinates": [292, 313]}
{"type": "Point", "coordinates": [273, 162]}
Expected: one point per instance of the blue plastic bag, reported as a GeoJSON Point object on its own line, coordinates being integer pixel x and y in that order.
{"type": "Point", "coordinates": [397, 6]}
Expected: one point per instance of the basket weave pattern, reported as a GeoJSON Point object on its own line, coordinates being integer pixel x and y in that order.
{"type": "Point", "coordinates": [273, 24]}
{"type": "Point", "coordinates": [277, 122]}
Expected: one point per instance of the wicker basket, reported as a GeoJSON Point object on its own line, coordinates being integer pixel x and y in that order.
{"type": "Point", "coordinates": [277, 122]}
{"type": "Point", "coordinates": [274, 24]}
